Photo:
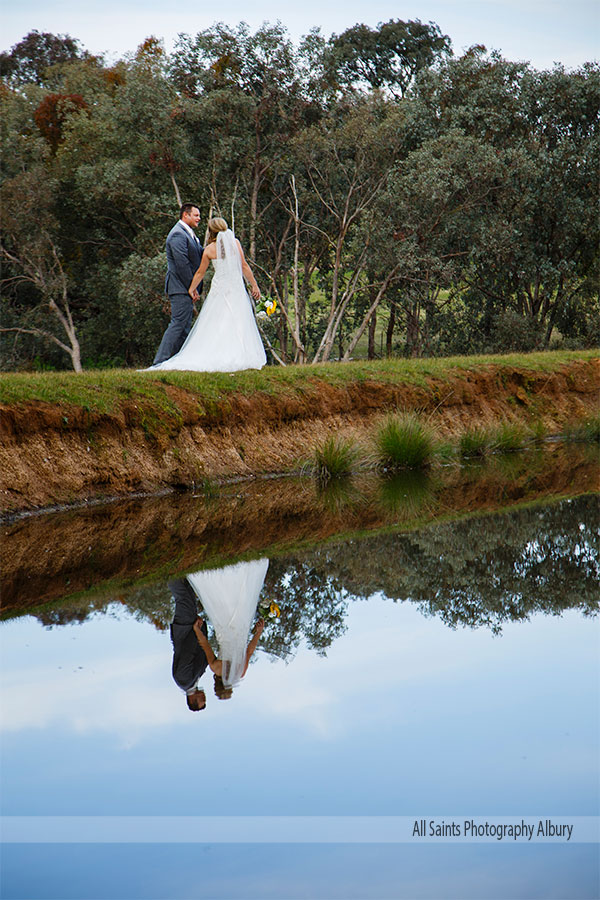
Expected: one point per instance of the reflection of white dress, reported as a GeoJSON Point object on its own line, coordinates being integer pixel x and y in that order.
{"type": "Point", "coordinates": [230, 597]}
{"type": "Point", "coordinates": [224, 337]}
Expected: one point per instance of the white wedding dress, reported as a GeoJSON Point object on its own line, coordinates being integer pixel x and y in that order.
{"type": "Point", "coordinates": [224, 337]}
{"type": "Point", "coordinates": [229, 597]}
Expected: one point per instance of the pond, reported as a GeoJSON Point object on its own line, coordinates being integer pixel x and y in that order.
{"type": "Point", "coordinates": [425, 681]}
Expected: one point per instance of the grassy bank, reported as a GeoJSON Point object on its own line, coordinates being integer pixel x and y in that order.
{"type": "Point", "coordinates": [103, 390]}
{"type": "Point", "coordinates": [107, 433]}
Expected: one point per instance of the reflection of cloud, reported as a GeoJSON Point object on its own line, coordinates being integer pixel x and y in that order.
{"type": "Point", "coordinates": [122, 696]}
{"type": "Point", "coordinates": [301, 694]}
{"type": "Point", "coordinates": [381, 652]}
{"type": "Point", "coordinates": [115, 676]}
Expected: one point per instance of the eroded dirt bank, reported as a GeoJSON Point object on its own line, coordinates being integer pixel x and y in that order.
{"type": "Point", "coordinates": [61, 454]}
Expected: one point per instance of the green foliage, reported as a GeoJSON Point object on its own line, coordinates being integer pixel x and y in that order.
{"type": "Point", "coordinates": [30, 59]}
{"type": "Point", "coordinates": [508, 438]}
{"type": "Point", "coordinates": [334, 458]}
{"type": "Point", "coordinates": [101, 390]}
{"type": "Point", "coordinates": [587, 431]}
{"type": "Point", "coordinates": [474, 442]}
{"type": "Point", "coordinates": [376, 182]}
{"type": "Point", "coordinates": [390, 55]}
{"type": "Point", "coordinates": [402, 441]}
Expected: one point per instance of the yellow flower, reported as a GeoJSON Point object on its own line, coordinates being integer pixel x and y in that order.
{"type": "Point", "coordinates": [271, 306]}
{"type": "Point", "coordinates": [274, 610]}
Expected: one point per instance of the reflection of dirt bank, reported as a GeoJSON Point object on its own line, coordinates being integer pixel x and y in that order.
{"type": "Point", "coordinates": [50, 556]}
{"type": "Point", "coordinates": [53, 454]}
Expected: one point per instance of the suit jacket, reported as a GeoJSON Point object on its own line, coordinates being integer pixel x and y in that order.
{"type": "Point", "coordinates": [183, 258]}
{"type": "Point", "coordinates": [189, 659]}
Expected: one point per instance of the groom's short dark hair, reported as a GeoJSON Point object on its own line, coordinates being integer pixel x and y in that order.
{"type": "Point", "coordinates": [187, 208]}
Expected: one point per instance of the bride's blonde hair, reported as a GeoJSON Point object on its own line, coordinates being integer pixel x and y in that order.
{"type": "Point", "coordinates": [215, 225]}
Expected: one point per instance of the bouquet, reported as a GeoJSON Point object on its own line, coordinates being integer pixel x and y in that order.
{"type": "Point", "coordinates": [265, 307]}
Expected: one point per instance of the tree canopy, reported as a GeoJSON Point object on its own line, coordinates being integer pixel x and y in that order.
{"type": "Point", "coordinates": [393, 197]}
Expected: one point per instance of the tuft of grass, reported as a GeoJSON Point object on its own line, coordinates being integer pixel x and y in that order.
{"type": "Point", "coordinates": [587, 431]}
{"type": "Point", "coordinates": [509, 438]}
{"type": "Point", "coordinates": [206, 487]}
{"type": "Point", "coordinates": [403, 442]}
{"type": "Point", "coordinates": [538, 432]}
{"type": "Point", "coordinates": [474, 442]}
{"type": "Point", "coordinates": [334, 458]}
{"type": "Point", "coordinates": [446, 451]}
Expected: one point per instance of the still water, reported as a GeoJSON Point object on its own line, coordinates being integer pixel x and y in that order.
{"type": "Point", "coordinates": [437, 667]}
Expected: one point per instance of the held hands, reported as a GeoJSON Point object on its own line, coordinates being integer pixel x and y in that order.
{"type": "Point", "coordinates": [194, 294]}
{"type": "Point", "coordinates": [255, 291]}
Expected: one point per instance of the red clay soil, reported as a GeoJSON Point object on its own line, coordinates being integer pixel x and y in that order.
{"type": "Point", "coordinates": [63, 454]}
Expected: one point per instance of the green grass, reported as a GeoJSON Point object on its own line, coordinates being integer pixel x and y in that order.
{"type": "Point", "coordinates": [334, 458]}
{"type": "Point", "coordinates": [508, 438]}
{"type": "Point", "coordinates": [103, 390]}
{"type": "Point", "coordinates": [474, 442]}
{"type": "Point", "coordinates": [403, 442]}
{"type": "Point", "coordinates": [587, 431]}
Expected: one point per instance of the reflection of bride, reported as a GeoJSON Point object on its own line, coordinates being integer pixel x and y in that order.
{"type": "Point", "coordinates": [224, 337]}
{"type": "Point", "coordinates": [229, 597]}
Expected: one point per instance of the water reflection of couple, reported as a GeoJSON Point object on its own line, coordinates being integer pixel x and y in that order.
{"type": "Point", "coordinates": [229, 597]}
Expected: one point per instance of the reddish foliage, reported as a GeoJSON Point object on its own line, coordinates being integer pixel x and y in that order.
{"type": "Point", "coordinates": [114, 77]}
{"type": "Point", "coordinates": [52, 112]}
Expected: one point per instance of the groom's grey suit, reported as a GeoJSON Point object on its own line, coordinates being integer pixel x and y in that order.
{"type": "Point", "coordinates": [184, 254]}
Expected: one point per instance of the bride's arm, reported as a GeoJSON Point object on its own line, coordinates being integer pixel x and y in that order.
{"type": "Point", "coordinates": [203, 641]}
{"type": "Point", "coordinates": [249, 275]}
{"type": "Point", "coordinates": [200, 272]}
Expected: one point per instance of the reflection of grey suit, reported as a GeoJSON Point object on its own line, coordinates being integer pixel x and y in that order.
{"type": "Point", "coordinates": [189, 659]}
{"type": "Point", "coordinates": [184, 254]}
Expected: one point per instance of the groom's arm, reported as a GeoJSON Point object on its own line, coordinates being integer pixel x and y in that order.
{"type": "Point", "coordinates": [178, 246]}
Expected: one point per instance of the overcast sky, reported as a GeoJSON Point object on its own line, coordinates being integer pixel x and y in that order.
{"type": "Point", "coordinates": [540, 31]}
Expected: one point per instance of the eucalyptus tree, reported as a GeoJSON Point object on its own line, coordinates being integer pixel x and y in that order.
{"type": "Point", "coordinates": [248, 87]}
{"type": "Point", "coordinates": [536, 253]}
{"type": "Point", "coordinates": [29, 60]}
{"type": "Point", "coordinates": [345, 160]}
{"type": "Point", "coordinates": [38, 295]}
{"type": "Point", "coordinates": [388, 56]}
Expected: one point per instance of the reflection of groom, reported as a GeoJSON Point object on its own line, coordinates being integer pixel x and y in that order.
{"type": "Point", "coordinates": [184, 253]}
{"type": "Point", "coordinates": [189, 658]}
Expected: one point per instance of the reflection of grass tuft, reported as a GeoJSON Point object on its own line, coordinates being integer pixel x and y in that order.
{"type": "Point", "coordinates": [538, 432]}
{"type": "Point", "coordinates": [587, 431]}
{"type": "Point", "coordinates": [206, 487]}
{"type": "Point", "coordinates": [403, 442]}
{"type": "Point", "coordinates": [474, 442]}
{"type": "Point", "coordinates": [334, 458]}
{"type": "Point", "coordinates": [337, 493]}
{"type": "Point", "coordinates": [404, 493]}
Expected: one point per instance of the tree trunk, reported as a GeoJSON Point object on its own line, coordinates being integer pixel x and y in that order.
{"type": "Point", "coordinates": [176, 188]}
{"type": "Point", "coordinates": [371, 345]}
{"type": "Point", "coordinates": [390, 331]}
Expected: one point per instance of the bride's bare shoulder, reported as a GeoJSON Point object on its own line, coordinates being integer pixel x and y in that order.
{"type": "Point", "coordinates": [211, 250]}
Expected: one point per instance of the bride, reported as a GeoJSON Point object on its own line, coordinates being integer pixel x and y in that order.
{"type": "Point", "coordinates": [224, 337]}
{"type": "Point", "coordinates": [229, 597]}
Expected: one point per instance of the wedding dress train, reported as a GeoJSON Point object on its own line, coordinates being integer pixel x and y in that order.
{"type": "Point", "coordinates": [224, 337]}
{"type": "Point", "coordinates": [229, 597]}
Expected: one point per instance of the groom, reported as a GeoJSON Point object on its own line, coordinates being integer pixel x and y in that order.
{"type": "Point", "coordinates": [184, 252]}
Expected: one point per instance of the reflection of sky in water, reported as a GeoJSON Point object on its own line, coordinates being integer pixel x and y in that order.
{"type": "Point", "coordinates": [404, 716]}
